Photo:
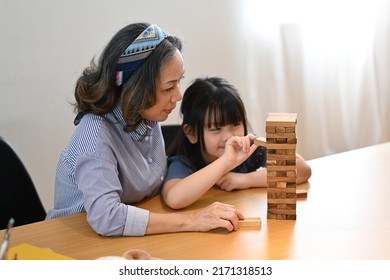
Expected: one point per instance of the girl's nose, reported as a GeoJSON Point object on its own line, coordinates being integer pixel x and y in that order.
{"type": "Point", "coordinates": [227, 134]}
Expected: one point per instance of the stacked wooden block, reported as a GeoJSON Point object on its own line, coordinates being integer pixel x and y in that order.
{"type": "Point", "coordinates": [281, 166]}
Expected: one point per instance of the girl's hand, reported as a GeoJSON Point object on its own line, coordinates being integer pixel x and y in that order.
{"type": "Point", "coordinates": [216, 215]}
{"type": "Point", "coordinates": [232, 181]}
{"type": "Point", "coordinates": [238, 149]}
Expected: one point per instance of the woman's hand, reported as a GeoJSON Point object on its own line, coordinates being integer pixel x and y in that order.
{"type": "Point", "coordinates": [216, 215]}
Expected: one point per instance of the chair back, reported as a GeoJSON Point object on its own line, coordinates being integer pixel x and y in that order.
{"type": "Point", "coordinates": [19, 198]}
{"type": "Point", "coordinates": [169, 132]}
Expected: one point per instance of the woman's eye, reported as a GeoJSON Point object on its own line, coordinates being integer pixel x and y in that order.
{"type": "Point", "coordinates": [169, 89]}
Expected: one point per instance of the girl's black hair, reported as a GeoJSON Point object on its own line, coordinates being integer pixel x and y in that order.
{"type": "Point", "coordinates": [206, 102]}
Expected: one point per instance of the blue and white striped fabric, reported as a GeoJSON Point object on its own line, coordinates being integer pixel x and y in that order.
{"type": "Point", "coordinates": [104, 169]}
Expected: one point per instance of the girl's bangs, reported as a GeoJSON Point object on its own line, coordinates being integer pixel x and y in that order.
{"type": "Point", "coordinates": [224, 114]}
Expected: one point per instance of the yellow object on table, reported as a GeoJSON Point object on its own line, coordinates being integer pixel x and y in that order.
{"type": "Point", "coordinates": [26, 251]}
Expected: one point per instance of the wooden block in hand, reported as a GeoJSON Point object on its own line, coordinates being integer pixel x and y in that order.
{"type": "Point", "coordinates": [261, 141]}
{"type": "Point", "coordinates": [250, 222]}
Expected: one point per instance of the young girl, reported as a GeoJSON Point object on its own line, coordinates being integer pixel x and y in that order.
{"type": "Point", "coordinates": [202, 155]}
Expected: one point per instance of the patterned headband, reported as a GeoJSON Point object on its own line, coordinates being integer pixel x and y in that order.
{"type": "Point", "coordinates": [137, 52]}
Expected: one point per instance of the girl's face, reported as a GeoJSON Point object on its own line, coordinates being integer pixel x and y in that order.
{"type": "Point", "coordinates": [215, 139]}
{"type": "Point", "coordinates": [167, 90]}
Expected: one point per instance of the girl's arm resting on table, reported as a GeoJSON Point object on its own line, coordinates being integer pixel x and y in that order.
{"type": "Point", "coordinates": [180, 193]}
{"type": "Point", "coordinates": [303, 170]}
{"type": "Point", "coordinates": [217, 215]}
{"type": "Point", "coordinates": [234, 181]}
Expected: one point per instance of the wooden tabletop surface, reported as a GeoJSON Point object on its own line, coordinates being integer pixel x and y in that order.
{"type": "Point", "coordinates": [346, 215]}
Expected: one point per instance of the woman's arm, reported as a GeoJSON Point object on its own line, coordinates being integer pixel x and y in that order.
{"type": "Point", "coordinates": [217, 215]}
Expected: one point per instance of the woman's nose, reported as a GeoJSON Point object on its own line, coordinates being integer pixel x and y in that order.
{"type": "Point", "coordinates": [176, 96]}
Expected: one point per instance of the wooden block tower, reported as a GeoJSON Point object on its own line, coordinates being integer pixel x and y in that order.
{"type": "Point", "coordinates": [281, 166]}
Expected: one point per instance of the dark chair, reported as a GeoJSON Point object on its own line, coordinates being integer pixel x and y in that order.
{"type": "Point", "coordinates": [169, 133]}
{"type": "Point", "coordinates": [19, 198]}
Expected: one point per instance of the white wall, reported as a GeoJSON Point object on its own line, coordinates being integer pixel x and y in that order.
{"type": "Point", "coordinates": [45, 44]}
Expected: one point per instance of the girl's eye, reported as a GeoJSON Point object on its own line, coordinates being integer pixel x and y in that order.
{"type": "Point", "coordinates": [237, 125]}
{"type": "Point", "coordinates": [214, 129]}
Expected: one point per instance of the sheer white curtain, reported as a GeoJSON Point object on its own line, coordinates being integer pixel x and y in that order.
{"type": "Point", "coordinates": [329, 61]}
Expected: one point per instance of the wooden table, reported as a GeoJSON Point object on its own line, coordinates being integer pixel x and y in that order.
{"type": "Point", "coordinates": [346, 215]}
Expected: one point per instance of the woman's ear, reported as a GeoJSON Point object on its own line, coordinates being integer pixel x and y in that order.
{"type": "Point", "coordinates": [190, 134]}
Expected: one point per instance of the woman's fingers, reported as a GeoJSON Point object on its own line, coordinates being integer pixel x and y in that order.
{"type": "Point", "coordinates": [230, 216]}
{"type": "Point", "coordinates": [218, 215]}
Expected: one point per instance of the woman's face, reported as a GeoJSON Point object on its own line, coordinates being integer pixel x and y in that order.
{"type": "Point", "coordinates": [167, 90]}
{"type": "Point", "coordinates": [215, 139]}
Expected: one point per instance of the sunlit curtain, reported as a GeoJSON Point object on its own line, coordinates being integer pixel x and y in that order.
{"type": "Point", "coordinates": [329, 61]}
